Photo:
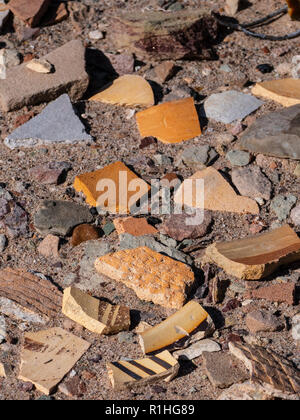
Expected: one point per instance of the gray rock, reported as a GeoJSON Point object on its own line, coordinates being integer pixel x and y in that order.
{"type": "Point", "coordinates": [295, 215]}
{"type": "Point", "coordinates": [251, 182]}
{"type": "Point", "coordinates": [50, 127]}
{"type": "Point", "coordinates": [15, 222]}
{"type": "Point", "coordinates": [2, 329]}
{"type": "Point", "coordinates": [195, 350]}
{"type": "Point", "coordinates": [3, 242]}
{"type": "Point", "coordinates": [238, 157]}
{"type": "Point", "coordinates": [198, 156]}
{"type": "Point", "coordinates": [9, 58]}
{"type": "Point", "coordinates": [128, 241]}
{"type": "Point", "coordinates": [59, 217]}
{"type": "Point", "coordinates": [296, 327]}
{"type": "Point", "coordinates": [162, 160]}
{"type": "Point", "coordinates": [24, 87]}
{"type": "Point", "coordinates": [11, 309]}
{"type": "Point", "coordinates": [126, 337]}
{"type": "Point", "coordinates": [230, 106]}
{"type": "Point", "coordinates": [275, 134]}
{"type": "Point", "coordinates": [282, 205]}
{"type": "Point", "coordinates": [89, 278]}
{"type": "Point", "coordinates": [108, 228]}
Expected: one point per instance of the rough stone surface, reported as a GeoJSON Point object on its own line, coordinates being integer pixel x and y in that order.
{"type": "Point", "coordinates": [49, 246]}
{"type": "Point", "coordinates": [223, 370]}
{"type": "Point", "coordinates": [283, 292]}
{"type": "Point", "coordinates": [50, 172]}
{"type": "Point", "coordinates": [134, 226]}
{"type": "Point", "coordinates": [122, 63]}
{"type": "Point", "coordinates": [282, 205]}
{"type": "Point", "coordinates": [252, 392]}
{"type": "Point", "coordinates": [251, 182]}
{"type": "Point", "coordinates": [24, 87]}
{"type": "Point", "coordinates": [262, 321]}
{"type": "Point", "coordinates": [238, 158]}
{"type": "Point", "coordinates": [295, 215]}
{"type": "Point", "coordinates": [227, 107]}
{"type": "Point", "coordinates": [153, 276]}
{"type": "Point", "coordinates": [196, 350]}
{"type": "Point", "coordinates": [177, 226]}
{"type": "Point", "coordinates": [59, 217]}
{"type": "Point", "coordinates": [15, 311]}
{"type": "Point", "coordinates": [49, 127]}
{"type": "Point", "coordinates": [83, 233]}
{"type": "Point", "coordinates": [29, 12]}
{"type": "Point", "coordinates": [162, 72]}
{"type": "Point", "coordinates": [128, 241]}
{"type": "Point", "coordinates": [198, 157]}
{"type": "Point", "coordinates": [13, 218]}
{"type": "Point", "coordinates": [275, 134]}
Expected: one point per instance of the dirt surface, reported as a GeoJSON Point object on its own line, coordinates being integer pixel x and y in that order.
{"type": "Point", "coordinates": [117, 138]}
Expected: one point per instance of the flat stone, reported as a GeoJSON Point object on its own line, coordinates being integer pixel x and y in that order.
{"type": "Point", "coordinates": [122, 63]}
{"type": "Point", "coordinates": [59, 217]}
{"type": "Point", "coordinates": [153, 276]}
{"type": "Point", "coordinates": [282, 205]}
{"type": "Point", "coordinates": [49, 247]}
{"type": "Point", "coordinates": [177, 226]}
{"type": "Point", "coordinates": [134, 226]}
{"type": "Point", "coordinates": [30, 13]}
{"type": "Point", "coordinates": [227, 107]}
{"type": "Point", "coordinates": [24, 87]}
{"type": "Point", "coordinates": [128, 241]}
{"type": "Point", "coordinates": [115, 200]}
{"type": "Point", "coordinates": [198, 157]}
{"type": "Point", "coordinates": [223, 370]}
{"type": "Point", "coordinates": [162, 72]}
{"type": "Point", "coordinates": [3, 331]}
{"type": "Point", "coordinates": [275, 134]}
{"type": "Point", "coordinates": [251, 182]}
{"type": "Point", "coordinates": [3, 242]}
{"type": "Point", "coordinates": [50, 172]}
{"type": "Point", "coordinates": [295, 215]}
{"type": "Point", "coordinates": [48, 355]}
{"type": "Point", "coordinates": [83, 233]}
{"type": "Point", "coordinates": [129, 90]}
{"type": "Point", "coordinates": [49, 127]}
{"type": "Point", "coordinates": [40, 66]}
{"type": "Point", "coordinates": [19, 313]}
{"type": "Point", "coordinates": [170, 122]}
{"type": "Point", "coordinates": [257, 321]}
{"type": "Point", "coordinates": [284, 91]}
{"type": "Point", "coordinates": [196, 350]}
{"type": "Point", "coordinates": [89, 279]}
{"type": "Point", "coordinates": [218, 194]}
{"type": "Point", "coordinates": [282, 292]}
{"type": "Point", "coordinates": [238, 157]}
{"type": "Point", "coordinates": [251, 392]}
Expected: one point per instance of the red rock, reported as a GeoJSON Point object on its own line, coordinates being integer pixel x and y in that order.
{"type": "Point", "coordinates": [83, 233]}
{"type": "Point", "coordinates": [30, 11]}
{"type": "Point", "coordinates": [177, 227]}
{"type": "Point", "coordinates": [22, 119]}
{"type": "Point", "coordinates": [74, 387]}
{"type": "Point", "coordinates": [262, 321]}
{"type": "Point", "coordinates": [147, 141]}
{"type": "Point", "coordinates": [283, 292]}
{"type": "Point", "coordinates": [122, 63]}
{"type": "Point", "coordinates": [134, 226]}
{"type": "Point", "coordinates": [50, 173]}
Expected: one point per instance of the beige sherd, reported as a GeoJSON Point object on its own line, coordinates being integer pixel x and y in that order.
{"type": "Point", "coordinates": [256, 257]}
{"type": "Point", "coordinates": [133, 373]}
{"type": "Point", "coordinates": [47, 356]}
{"type": "Point", "coordinates": [128, 90]}
{"type": "Point", "coordinates": [217, 194]}
{"type": "Point", "coordinates": [177, 326]}
{"type": "Point", "coordinates": [284, 91]}
{"type": "Point", "coordinates": [93, 314]}
{"type": "Point", "coordinates": [153, 276]}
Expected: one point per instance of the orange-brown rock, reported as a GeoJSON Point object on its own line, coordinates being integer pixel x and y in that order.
{"type": "Point", "coordinates": [83, 233]}
{"type": "Point", "coordinates": [217, 194]}
{"type": "Point", "coordinates": [284, 91]}
{"type": "Point", "coordinates": [258, 256]}
{"type": "Point", "coordinates": [294, 9]}
{"type": "Point", "coordinates": [108, 187]}
{"type": "Point", "coordinates": [31, 11]}
{"type": "Point", "coordinates": [129, 90]}
{"type": "Point", "coordinates": [282, 292]}
{"type": "Point", "coordinates": [134, 226]}
{"type": "Point", "coordinates": [32, 292]}
{"type": "Point", "coordinates": [171, 122]}
{"type": "Point", "coordinates": [153, 276]}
